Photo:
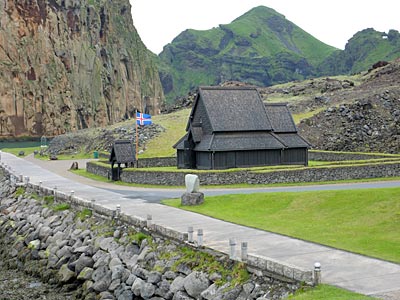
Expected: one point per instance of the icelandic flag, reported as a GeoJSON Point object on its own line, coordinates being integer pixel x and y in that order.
{"type": "Point", "coordinates": [143, 119]}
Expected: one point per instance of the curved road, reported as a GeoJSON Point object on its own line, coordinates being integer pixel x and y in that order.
{"type": "Point", "coordinates": [61, 168]}
{"type": "Point", "coordinates": [354, 272]}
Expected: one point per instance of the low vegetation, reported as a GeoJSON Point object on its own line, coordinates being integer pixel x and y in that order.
{"type": "Point", "coordinates": [327, 292]}
{"type": "Point", "coordinates": [84, 214]}
{"type": "Point", "coordinates": [61, 207]}
{"type": "Point", "coordinates": [234, 272]}
{"type": "Point", "coordinates": [18, 151]}
{"type": "Point", "coordinates": [20, 191]}
{"type": "Point", "coordinates": [361, 221]}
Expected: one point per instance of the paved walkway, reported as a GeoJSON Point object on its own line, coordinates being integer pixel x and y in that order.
{"type": "Point", "coordinates": [350, 271]}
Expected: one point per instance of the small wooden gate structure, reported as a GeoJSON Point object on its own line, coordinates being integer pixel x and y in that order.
{"type": "Point", "coordinates": [122, 152]}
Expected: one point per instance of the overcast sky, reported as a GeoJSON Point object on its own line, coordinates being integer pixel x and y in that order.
{"type": "Point", "coordinates": [333, 22]}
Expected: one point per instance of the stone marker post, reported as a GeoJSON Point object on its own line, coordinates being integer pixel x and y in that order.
{"type": "Point", "coordinates": [244, 253]}
{"type": "Point", "coordinates": [192, 196]}
{"type": "Point", "coordinates": [317, 273]}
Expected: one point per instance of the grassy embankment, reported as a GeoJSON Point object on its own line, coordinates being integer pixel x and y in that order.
{"type": "Point", "coordinates": [361, 221]}
{"type": "Point", "coordinates": [327, 292]}
{"type": "Point", "coordinates": [175, 128]}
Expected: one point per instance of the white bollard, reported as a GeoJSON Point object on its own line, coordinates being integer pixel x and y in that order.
{"type": "Point", "coordinates": [317, 273]}
{"type": "Point", "coordinates": [40, 188]}
{"type": "Point", "coordinates": [244, 252]}
{"type": "Point", "coordinates": [232, 247]}
{"type": "Point", "coordinates": [118, 211]}
{"type": "Point", "coordinates": [200, 237]}
{"type": "Point", "coordinates": [149, 221]}
{"type": "Point", "coordinates": [190, 234]}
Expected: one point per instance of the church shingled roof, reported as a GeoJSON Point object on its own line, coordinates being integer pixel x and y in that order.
{"type": "Point", "coordinates": [235, 109]}
{"type": "Point", "coordinates": [241, 121]}
{"type": "Point", "coordinates": [280, 117]}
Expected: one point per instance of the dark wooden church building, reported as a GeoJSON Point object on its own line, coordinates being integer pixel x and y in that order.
{"type": "Point", "coordinates": [232, 127]}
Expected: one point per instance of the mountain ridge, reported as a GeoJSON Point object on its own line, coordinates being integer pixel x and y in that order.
{"type": "Point", "coordinates": [263, 48]}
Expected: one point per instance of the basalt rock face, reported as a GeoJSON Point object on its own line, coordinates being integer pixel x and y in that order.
{"type": "Point", "coordinates": [67, 65]}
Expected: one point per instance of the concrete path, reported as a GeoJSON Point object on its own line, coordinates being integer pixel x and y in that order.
{"type": "Point", "coordinates": [350, 271]}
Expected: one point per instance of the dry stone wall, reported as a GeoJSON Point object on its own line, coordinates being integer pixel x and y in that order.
{"type": "Point", "coordinates": [343, 156]}
{"type": "Point", "coordinates": [331, 173]}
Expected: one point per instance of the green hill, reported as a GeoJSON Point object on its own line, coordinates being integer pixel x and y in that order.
{"type": "Point", "coordinates": [261, 47]}
{"type": "Point", "coordinates": [364, 49]}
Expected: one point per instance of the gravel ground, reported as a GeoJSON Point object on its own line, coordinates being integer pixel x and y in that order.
{"type": "Point", "coordinates": [16, 285]}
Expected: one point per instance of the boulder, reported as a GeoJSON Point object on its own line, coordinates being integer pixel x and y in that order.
{"type": "Point", "coordinates": [177, 284]}
{"type": "Point", "coordinates": [65, 274]}
{"type": "Point", "coordinates": [195, 283]}
{"type": "Point", "coordinates": [190, 199]}
{"type": "Point", "coordinates": [137, 286]}
{"type": "Point", "coordinates": [147, 290]}
{"type": "Point", "coordinates": [102, 279]}
{"type": "Point", "coordinates": [83, 262]}
{"type": "Point", "coordinates": [86, 273]}
{"type": "Point", "coordinates": [125, 295]}
{"type": "Point", "coordinates": [34, 245]}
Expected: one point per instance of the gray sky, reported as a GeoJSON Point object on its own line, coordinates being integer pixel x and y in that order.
{"type": "Point", "coordinates": [333, 22]}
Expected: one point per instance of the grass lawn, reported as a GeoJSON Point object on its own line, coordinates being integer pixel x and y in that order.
{"type": "Point", "coordinates": [15, 151]}
{"type": "Point", "coordinates": [84, 173]}
{"type": "Point", "coordinates": [361, 221]}
{"type": "Point", "coordinates": [30, 150]}
{"type": "Point", "coordinates": [327, 292]}
{"type": "Point", "coordinates": [175, 128]}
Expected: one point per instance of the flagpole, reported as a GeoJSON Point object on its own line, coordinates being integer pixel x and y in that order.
{"type": "Point", "coordinates": [137, 140]}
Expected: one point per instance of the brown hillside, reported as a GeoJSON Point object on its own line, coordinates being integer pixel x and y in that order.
{"type": "Point", "coordinates": [353, 113]}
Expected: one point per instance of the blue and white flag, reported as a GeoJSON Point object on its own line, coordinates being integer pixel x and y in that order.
{"type": "Point", "coordinates": [143, 119]}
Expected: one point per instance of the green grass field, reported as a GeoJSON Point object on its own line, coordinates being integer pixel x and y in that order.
{"type": "Point", "coordinates": [175, 128]}
{"type": "Point", "coordinates": [361, 221]}
{"type": "Point", "coordinates": [27, 150]}
{"type": "Point", "coordinates": [326, 292]}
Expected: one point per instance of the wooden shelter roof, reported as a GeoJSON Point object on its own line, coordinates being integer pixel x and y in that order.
{"type": "Point", "coordinates": [122, 152]}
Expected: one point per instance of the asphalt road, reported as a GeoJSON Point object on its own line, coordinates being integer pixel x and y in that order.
{"type": "Point", "coordinates": [155, 195]}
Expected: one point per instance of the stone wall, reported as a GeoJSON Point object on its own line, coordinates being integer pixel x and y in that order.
{"type": "Point", "coordinates": [101, 256]}
{"type": "Point", "coordinates": [316, 174]}
{"type": "Point", "coordinates": [341, 156]}
{"type": "Point", "coordinates": [157, 162]}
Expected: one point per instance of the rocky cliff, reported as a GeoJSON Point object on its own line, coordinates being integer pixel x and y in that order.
{"type": "Point", "coordinates": [67, 65]}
